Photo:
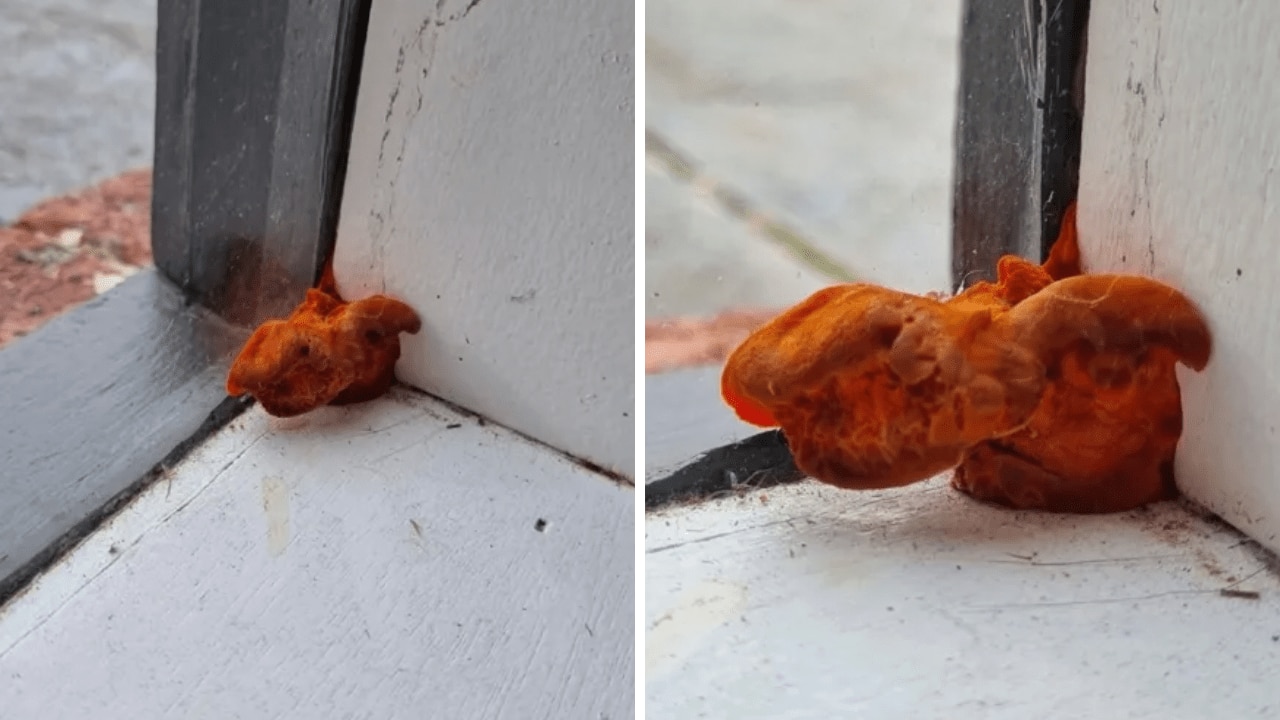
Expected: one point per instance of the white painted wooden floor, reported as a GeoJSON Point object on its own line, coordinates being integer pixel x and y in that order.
{"type": "Point", "coordinates": [808, 601]}
{"type": "Point", "coordinates": [812, 602]}
{"type": "Point", "coordinates": [389, 560]}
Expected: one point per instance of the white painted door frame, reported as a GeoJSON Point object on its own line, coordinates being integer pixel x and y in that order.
{"type": "Point", "coordinates": [491, 186]}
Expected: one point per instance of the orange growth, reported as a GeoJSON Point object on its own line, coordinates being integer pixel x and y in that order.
{"type": "Point", "coordinates": [1048, 389]}
{"type": "Point", "coordinates": [327, 352]}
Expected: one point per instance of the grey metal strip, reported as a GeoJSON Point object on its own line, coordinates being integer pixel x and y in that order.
{"type": "Point", "coordinates": [1017, 130]}
{"type": "Point", "coordinates": [91, 403]}
{"type": "Point", "coordinates": [253, 114]}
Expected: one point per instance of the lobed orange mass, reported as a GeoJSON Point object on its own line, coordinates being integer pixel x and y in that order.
{"type": "Point", "coordinates": [1048, 389]}
{"type": "Point", "coordinates": [327, 352]}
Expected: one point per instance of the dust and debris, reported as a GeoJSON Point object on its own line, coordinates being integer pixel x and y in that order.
{"type": "Point", "coordinates": [417, 529]}
{"type": "Point", "coordinates": [540, 525]}
{"type": "Point", "coordinates": [1241, 594]}
{"type": "Point", "coordinates": [1174, 531]}
{"type": "Point", "coordinates": [1210, 564]}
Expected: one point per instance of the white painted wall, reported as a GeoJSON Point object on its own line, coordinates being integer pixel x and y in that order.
{"type": "Point", "coordinates": [491, 186]}
{"type": "Point", "coordinates": [1181, 144]}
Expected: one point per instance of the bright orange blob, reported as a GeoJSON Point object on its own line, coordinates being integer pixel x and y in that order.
{"type": "Point", "coordinates": [1047, 389]}
{"type": "Point", "coordinates": [327, 352]}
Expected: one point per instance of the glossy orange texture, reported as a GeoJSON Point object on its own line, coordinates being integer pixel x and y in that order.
{"type": "Point", "coordinates": [1047, 389]}
{"type": "Point", "coordinates": [327, 352]}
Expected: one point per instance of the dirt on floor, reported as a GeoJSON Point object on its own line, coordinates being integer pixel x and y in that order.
{"type": "Point", "coordinates": [69, 249]}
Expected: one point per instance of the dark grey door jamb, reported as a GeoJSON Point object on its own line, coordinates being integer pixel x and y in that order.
{"type": "Point", "coordinates": [1021, 96]}
{"type": "Point", "coordinates": [254, 103]}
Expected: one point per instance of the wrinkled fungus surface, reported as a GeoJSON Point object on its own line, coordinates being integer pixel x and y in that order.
{"type": "Point", "coordinates": [327, 352]}
{"type": "Point", "coordinates": [1048, 389]}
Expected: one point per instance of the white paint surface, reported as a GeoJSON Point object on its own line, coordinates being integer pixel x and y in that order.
{"type": "Point", "coordinates": [812, 602]}
{"type": "Point", "coordinates": [1181, 144]}
{"type": "Point", "coordinates": [491, 186]}
{"type": "Point", "coordinates": [368, 562]}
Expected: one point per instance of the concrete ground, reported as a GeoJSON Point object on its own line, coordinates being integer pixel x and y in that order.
{"type": "Point", "coordinates": [795, 144]}
{"type": "Point", "coordinates": [78, 82]}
